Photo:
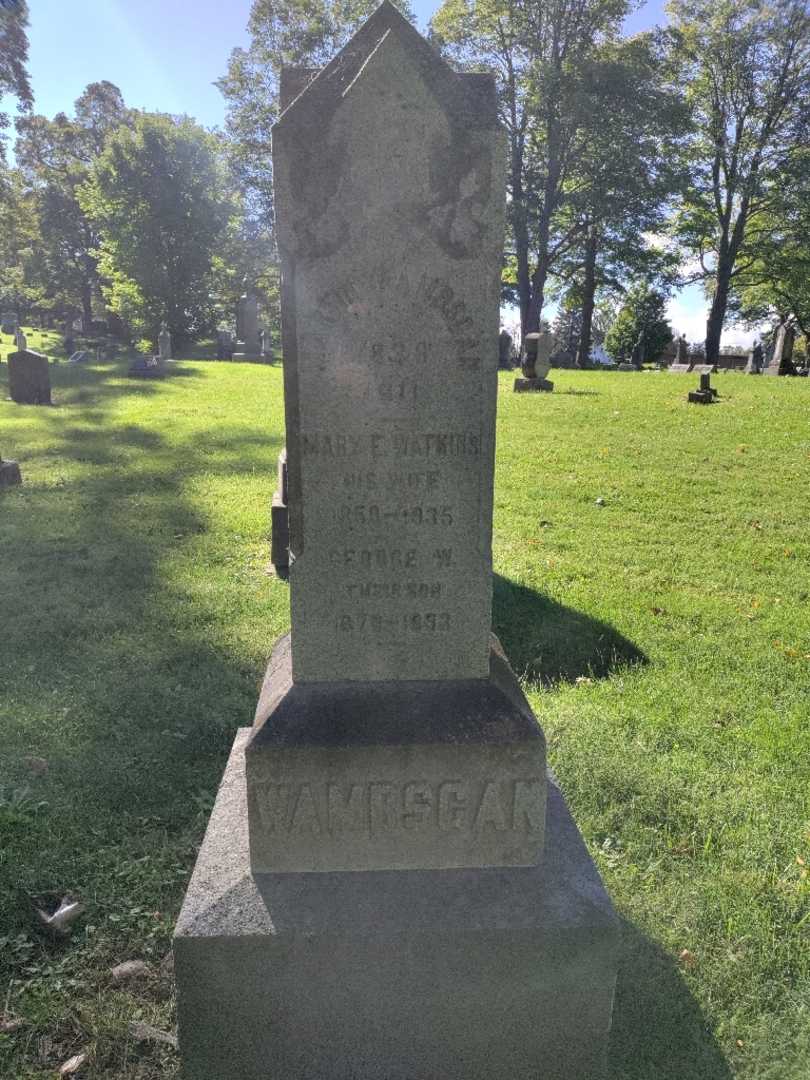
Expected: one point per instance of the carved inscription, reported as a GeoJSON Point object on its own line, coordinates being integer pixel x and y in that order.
{"type": "Point", "coordinates": [372, 809]}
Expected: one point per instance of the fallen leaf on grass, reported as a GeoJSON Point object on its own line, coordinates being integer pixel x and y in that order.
{"type": "Point", "coordinates": [146, 1033]}
{"type": "Point", "coordinates": [60, 921]}
{"type": "Point", "coordinates": [687, 958]}
{"type": "Point", "coordinates": [130, 969]}
{"type": "Point", "coordinates": [72, 1065]}
{"type": "Point", "coordinates": [10, 1024]}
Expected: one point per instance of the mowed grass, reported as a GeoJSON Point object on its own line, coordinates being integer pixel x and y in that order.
{"type": "Point", "coordinates": [663, 636]}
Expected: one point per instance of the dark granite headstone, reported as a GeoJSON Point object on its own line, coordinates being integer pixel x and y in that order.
{"type": "Point", "coordinates": [9, 473]}
{"type": "Point", "coordinates": [29, 381]}
{"type": "Point", "coordinates": [706, 393]}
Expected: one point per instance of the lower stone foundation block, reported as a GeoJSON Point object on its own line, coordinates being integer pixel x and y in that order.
{"type": "Point", "coordinates": [472, 974]}
{"type": "Point", "coordinates": [524, 386]}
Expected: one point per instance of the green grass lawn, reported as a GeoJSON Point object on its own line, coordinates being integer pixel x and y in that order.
{"type": "Point", "coordinates": [663, 636]}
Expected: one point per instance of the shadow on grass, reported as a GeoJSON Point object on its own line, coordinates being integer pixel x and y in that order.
{"type": "Point", "coordinates": [549, 643]}
{"type": "Point", "coordinates": [659, 1031]}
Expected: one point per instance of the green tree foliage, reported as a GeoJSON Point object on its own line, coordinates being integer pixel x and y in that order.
{"type": "Point", "coordinates": [160, 199]}
{"type": "Point", "coordinates": [300, 33]}
{"type": "Point", "coordinates": [13, 59]}
{"type": "Point", "coordinates": [642, 311]}
{"type": "Point", "coordinates": [774, 284]}
{"type": "Point", "coordinates": [20, 244]}
{"type": "Point", "coordinates": [628, 169]}
{"type": "Point", "coordinates": [746, 68]}
{"type": "Point", "coordinates": [55, 157]}
{"type": "Point", "coordinates": [540, 53]}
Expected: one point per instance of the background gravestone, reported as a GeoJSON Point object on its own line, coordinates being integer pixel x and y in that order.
{"type": "Point", "coordinates": [29, 381]}
{"type": "Point", "coordinates": [164, 343]}
{"type": "Point", "coordinates": [9, 473]}
{"type": "Point", "coordinates": [538, 348]}
{"type": "Point", "coordinates": [781, 362]}
{"type": "Point", "coordinates": [248, 346]}
{"type": "Point", "coordinates": [385, 889]}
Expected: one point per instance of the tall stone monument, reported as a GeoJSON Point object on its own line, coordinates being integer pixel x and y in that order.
{"type": "Point", "coordinates": [248, 346]}
{"type": "Point", "coordinates": [390, 885]}
{"type": "Point", "coordinates": [781, 362]}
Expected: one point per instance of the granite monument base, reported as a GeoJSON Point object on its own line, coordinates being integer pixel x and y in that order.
{"type": "Point", "coordinates": [9, 474]}
{"type": "Point", "coordinates": [416, 775]}
{"type": "Point", "coordinates": [702, 397]}
{"type": "Point", "coordinates": [475, 974]}
{"type": "Point", "coordinates": [528, 386]}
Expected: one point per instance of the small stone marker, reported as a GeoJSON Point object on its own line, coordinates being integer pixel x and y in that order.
{"type": "Point", "coordinates": [536, 363]}
{"type": "Point", "coordinates": [29, 381]}
{"type": "Point", "coordinates": [680, 369]}
{"type": "Point", "coordinates": [280, 521]}
{"type": "Point", "coordinates": [706, 394]}
{"type": "Point", "coordinates": [147, 367]}
{"type": "Point", "coordinates": [20, 340]}
{"type": "Point", "coordinates": [78, 357]}
{"type": "Point", "coordinates": [387, 856]}
{"type": "Point", "coordinates": [9, 473]}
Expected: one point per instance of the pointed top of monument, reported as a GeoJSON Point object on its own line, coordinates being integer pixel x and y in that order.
{"type": "Point", "coordinates": [470, 97]}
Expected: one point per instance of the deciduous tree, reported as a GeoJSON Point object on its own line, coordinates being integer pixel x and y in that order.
{"type": "Point", "coordinates": [746, 68]}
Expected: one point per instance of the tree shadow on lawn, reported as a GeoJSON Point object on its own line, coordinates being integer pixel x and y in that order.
{"type": "Point", "coordinates": [549, 643]}
{"type": "Point", "coordinates": [659, 1031]}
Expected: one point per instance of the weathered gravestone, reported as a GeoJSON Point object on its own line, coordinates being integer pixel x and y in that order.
{"type": "Point", "coordinates": [385, 890]}
{"type": "Point", "coordinates": [537, 349]}
{"type": "Point", "coordinates": [755, 360]}
{"type": "Point", "coordinates": [248, 346]}
{"type": "Point", "coordinates": [29, 381]}
{"type": "Point", "coordinates": [224, 345]}
{"type": "Point", "coordinates": [705, 394]}
{"type": "Point", "coordinates": [505, 350]}
{"type": "Point", "coordinates": [280, 521]}
{"type": "Point", "coordinates": [9, 473]}
{"type": "Point", "coordinates": [164, 344]}
{"type": "Point", "coordinates": [20, 340]}
{"type": "Point", "coordinates": [781, 362]}
{"type": "Point", "coordinates": [9, 322]}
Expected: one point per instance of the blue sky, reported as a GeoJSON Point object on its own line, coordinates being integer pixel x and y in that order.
{"type": "Point", "coordinates": [166, 54]}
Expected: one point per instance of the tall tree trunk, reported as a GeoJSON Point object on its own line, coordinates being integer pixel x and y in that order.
{"type": "Point", "coordinates": [87, 307]}
{"type": "Point", "coordinates": [588, 298]}
{"type": "Point", "coordinates": [717, 311]}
